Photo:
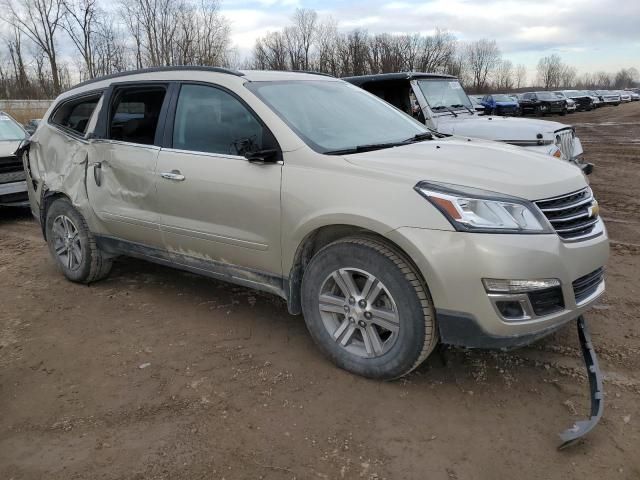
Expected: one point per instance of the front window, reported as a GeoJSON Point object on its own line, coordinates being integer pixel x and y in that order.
{"type": "Point", "coordinates": [502, 98]}
{"type": "Point", "coordinates": [335, 116]}
{"type": "Point", "coordinates": [10, 130]}
{"type": "Point", "coordinates": [211, 120]}
{"type": "Point", "coordinates": [135, 114]}
{"type": "Point", "coordinates": [546, 96]}
{"type": "Point", "coordinates": [444, 94]}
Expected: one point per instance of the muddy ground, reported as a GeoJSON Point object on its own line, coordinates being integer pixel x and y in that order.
{"type": "Point", "coordinates": [154, 373]}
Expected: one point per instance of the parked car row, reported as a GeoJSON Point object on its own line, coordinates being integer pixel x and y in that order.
{"type": "Point", "coordinates": [560, 102]}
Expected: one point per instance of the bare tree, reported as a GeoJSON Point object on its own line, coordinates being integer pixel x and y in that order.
{"type": "Point", "coordinates": [482, 57]}
{"type": "Point", "coordinates": [626, 77]}
{"type": "Point", "coordinates": [39, 21]}
{"type": "Point", "coordinates": [504, 75]}
{"type": "Point", "coordinates": [81, 24]}
{"type": "Point", "coordinates": [603, 80]}
{"type": "Point", "coordinates": [14, 45]}
{"type": "Point", "coordinates": [270, 52]}
{"type": "Point", "coordinates": [568, 76]}
{"type": "Point", "coordinates": [436, 52]}
{"type": "Point", "coordinates": [327, 45]}
{"type": "Point", "coordinates": [520, 75]}
{"type": "Point", "coordinates": [300, 37]}
{"type": "Point", "coordinates": [550, 71]}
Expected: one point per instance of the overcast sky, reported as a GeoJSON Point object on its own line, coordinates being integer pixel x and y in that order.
{"type": "Point", "coordinates": [589, 34]}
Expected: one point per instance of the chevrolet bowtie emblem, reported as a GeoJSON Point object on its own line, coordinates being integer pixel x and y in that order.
{"type": "Point", "coordinates": [594, 210]}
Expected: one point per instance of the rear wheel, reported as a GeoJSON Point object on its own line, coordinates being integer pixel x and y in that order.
{"type": "Point", "coordinates": [73, 246]}
{"type": "Point", "coordinates": [367, 308]}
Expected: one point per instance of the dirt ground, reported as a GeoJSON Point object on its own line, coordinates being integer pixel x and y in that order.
{"type": "Point", "coordinates": [159, 374]}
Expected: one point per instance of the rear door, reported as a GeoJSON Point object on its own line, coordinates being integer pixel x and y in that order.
{"type": "Point", "coordinates": [121, 180]}
{"type": "Point", "coordinates": [214, 204]}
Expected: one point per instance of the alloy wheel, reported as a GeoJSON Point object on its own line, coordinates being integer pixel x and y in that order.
{"type": "Point", "coordinates": [358, 312]}
{"type": "Point", "coordinates": [66, 242]}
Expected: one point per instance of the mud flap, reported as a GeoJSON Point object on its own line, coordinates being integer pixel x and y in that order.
{"type": "Point", "coordinates": [582, 427]}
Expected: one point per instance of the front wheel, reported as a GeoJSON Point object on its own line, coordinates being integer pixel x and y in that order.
{"type": "Point", "coordinates": [367, 308]}
{"type": "Point", "coordinates": [73, 246]}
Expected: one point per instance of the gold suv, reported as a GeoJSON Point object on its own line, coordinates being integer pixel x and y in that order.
{"type": "Point", "coordinates": [387, 236]}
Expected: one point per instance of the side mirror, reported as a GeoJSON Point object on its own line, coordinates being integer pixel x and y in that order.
{"type": "Point", "coordinates": [263, 157]}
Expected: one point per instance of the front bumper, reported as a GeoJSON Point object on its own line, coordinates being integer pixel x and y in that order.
{"type": "Point", "coordinates": [454, 264]}
{"type": "Point", "coordinates": [14, 194]}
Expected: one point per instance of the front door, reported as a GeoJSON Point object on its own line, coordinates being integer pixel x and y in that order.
{"type": "Point", "coordinates": [121, 173]}
{"type": "Point", "coordinates": [216, 208]}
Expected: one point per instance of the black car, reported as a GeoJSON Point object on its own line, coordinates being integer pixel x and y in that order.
{"type": "Point", "coordinates": [541, 103]}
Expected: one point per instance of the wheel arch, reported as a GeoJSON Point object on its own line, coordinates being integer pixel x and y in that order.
{"type": "Point", "coordinates": [318, 238]}
{"type": "Point", "coordinates": [47, 199]}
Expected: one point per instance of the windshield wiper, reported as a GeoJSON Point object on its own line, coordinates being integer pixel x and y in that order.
{"type": "Point", "coordinates": [364, 148]}
{"type": "Point", "coordinates": [419, 137]}
{"type": "Point", "coordinates": [463, 106]}
{"type": "Point", "coordinates": [441, 107]}
{"type": "Point", "coordinates": [379, 146]}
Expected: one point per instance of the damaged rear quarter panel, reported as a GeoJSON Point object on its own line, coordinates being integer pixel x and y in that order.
{"type": "Point", "coordinates": [58, 163]}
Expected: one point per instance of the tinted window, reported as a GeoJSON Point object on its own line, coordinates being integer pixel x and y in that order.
{"type": "Point", "coordinates": [211, 120]}
{"type": "Point", "coordinates": [134, 114]}
{"type": "Point", "coordinates": [75, 114]}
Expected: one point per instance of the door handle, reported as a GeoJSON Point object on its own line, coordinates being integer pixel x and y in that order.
{"type": "Point", "coordinates": [97, 173]}
{"type": "Point", "coordinates": [174, 175]}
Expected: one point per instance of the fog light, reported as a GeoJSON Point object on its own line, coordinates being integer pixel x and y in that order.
{"type": "Point", "coordinates": [493, 285]}
{"type": "Point", "coordinates": [510, 310]}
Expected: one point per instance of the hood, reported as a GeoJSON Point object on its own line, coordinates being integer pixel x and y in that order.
{"type": "Point", "coordinates": [497, 128]}
{"type": "Point", "coordinates": [476, 163]}
{"type": "Point", "coordinates": [507, 104]}
{"type": "Point", "coordinates": [9, 147]}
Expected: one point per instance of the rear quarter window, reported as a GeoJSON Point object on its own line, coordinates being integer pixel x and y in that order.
{"type": "Point", "coordinates": [74, 115]}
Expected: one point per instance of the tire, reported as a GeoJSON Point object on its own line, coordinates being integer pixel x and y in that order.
{"type": "Point", "coordinates": [402, 295]}
{"type": "Point", "coordinates": [538, 112]}
{"type": "Point", "coordinates": [80, 260]}
{"type": "Point", "coordinates": [563, 112]}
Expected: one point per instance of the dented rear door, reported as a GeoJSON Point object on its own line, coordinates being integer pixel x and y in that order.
{"type": "Point", "coordinates": [121, 189]}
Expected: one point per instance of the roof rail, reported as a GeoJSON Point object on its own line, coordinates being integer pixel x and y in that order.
{"type": "Point", "coordinates": [198, 68]}
{"type": "Point", "coordinates": [312, 72]}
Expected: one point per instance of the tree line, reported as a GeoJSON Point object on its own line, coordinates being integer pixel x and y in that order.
{"type": "Point", "coordinates": [135, 34]}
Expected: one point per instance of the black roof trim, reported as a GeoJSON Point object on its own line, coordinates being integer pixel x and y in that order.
{"type": "Point", "coordinates": [197, 68]}
{"type": "Point", "coordinates": [386, 77]}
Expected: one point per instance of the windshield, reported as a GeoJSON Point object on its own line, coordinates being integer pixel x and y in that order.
{"type": "Point", "coordinates": [10, 130]}
{"type": "Point", "coordinates": [443, 93]}
{"type": "Point", "coordinates": [546, 96]}
{"type": "Point", "coordinates": [502, 98]}
{"type": "Point", "coordinates": [332, 116]}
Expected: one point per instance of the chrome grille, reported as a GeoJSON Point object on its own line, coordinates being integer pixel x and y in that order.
{"type": "Point", "coordinates": [564, 140]}
{"type": "Point", "coordinates": [573, 215]}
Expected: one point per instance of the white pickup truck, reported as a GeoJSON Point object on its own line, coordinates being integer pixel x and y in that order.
{"type": "Point", "coordinates": [440, 102]}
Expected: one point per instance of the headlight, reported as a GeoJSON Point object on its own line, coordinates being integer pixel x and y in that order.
{"type": "Point", "coordinates": [473, 210]}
